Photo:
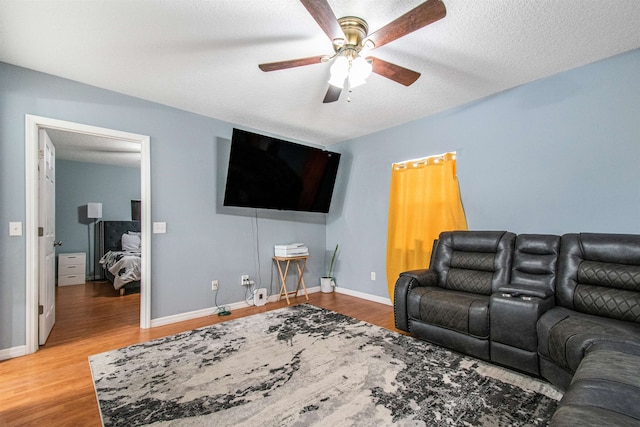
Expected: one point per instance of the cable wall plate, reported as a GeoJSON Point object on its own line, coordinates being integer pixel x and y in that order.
{"type": "Point", "coordinates": [260, 297]}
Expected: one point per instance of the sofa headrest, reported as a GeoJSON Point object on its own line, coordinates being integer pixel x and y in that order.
{"type": "Point", "coordinates": [600, 274]}
{"type": "Point", "coordinates": [535, 261]}
{"type": "Point", "coordinates": [538, 244]}
{"type": "Point", "coordinates": [473, 241]}
{"type": "Point", "coordinates": [617, 248]}
{"type": "Point", "coordinates": [474, 261]}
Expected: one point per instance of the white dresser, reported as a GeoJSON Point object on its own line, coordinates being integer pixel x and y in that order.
{"type": "Point", "coordinates": [71, 269]}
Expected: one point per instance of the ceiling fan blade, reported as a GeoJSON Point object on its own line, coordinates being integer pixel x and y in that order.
{"type": "Point", "coordinates": [394, 72]}
{"type": "Point", "coordinates": [324, 16]}
{"type": "Point", "coordinates": [281, 65]}
{"type": "Point", "coordinates": [333, 93]}
{"type": "Point", "coordinates": [423, 15]}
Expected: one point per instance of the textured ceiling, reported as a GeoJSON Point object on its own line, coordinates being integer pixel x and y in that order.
{"type": "Point", "coordinates": [202, 56]}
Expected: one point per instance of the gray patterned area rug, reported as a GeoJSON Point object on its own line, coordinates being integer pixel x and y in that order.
{"type": "Point", "coordinates": [302, 366]}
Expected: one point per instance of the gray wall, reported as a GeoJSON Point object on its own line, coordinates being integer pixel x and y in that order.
{"type": "Point", "coordinates": [200, 245]}
{"type": "Point", "coordinates": [554, 156]}
{"type": "Point", "coordinates": [558, 155]}
{"type": "Point", "coordinates": [79, 183]}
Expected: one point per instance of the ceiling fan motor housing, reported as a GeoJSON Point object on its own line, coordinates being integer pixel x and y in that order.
{"type": "Point", "coordinates": [355, 31]}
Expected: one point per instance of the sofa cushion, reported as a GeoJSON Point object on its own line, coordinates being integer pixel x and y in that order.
{"type": "Point", "coordinates": [605, 389]}
{"type": "Point", "coordinates": [535, 261]}
{"type": "Point", "coordinates": [471, 272]}
{"type": "Point", "coordinates": [599, 263]}
{"type": "Point", "coordinates": [612, 362]}
{"type": "Point", "coordinates": [473, 261]}
{"type": "Point", "coordinates": [609, 290]}
{"type": "Point", "coordinates": [590, 416]}
{"type": "Point", "coordinates": [459, 311]}
{"type": "Point", "coordinates": [564, 335]}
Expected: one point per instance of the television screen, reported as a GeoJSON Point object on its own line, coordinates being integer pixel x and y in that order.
{"type": "Point", "coordinates": [270, 173]}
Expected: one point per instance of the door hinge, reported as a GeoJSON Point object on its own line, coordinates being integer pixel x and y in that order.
{"type": "Point", "coordinates": [40, 231]}
{"type": "Point", "coordinates": [40, 309]}
{"type": "Point", "coordinates": [40, 154]}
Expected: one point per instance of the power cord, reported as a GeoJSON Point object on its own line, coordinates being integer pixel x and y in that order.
{"type": "Point", "coordinates": [257, 258]}
{"type": "Point", "coordinates": [220, 310]}
{"type": "Point", "coordinates": [248, 294]}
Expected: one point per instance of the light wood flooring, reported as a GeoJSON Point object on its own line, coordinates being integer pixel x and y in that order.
{"type": "Point", "coordinates": [53, 387]}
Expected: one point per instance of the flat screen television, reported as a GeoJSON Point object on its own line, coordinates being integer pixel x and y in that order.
{"type": "Point", "coordinates": [269, 173]}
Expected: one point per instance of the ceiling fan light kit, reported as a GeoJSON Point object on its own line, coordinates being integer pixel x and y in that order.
{"type": "Point", "coordinates": [355, 70]}
{"type": "Point", "coordinates": [350, 37]}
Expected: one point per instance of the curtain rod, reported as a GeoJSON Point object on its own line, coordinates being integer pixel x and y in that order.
{"type": "Point", "coordinates": [424, 160]}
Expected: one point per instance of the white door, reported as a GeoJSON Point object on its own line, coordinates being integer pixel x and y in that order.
{"type": "Point", "coordinates": [46, 241]}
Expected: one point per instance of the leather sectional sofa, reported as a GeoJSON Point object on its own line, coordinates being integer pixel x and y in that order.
{"type": "Point", "coordinates": [565, 308]}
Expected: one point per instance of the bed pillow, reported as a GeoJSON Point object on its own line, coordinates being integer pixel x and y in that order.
{"type": "Point", "coordinates": [130, 242]}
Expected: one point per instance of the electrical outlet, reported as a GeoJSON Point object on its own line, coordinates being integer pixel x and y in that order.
{"type": "Point", "coordinates": [373, 275]}
{"type": "Point", "coordinates": [214, 285]}
{"type": "Point", "coordinates": [244, 280]}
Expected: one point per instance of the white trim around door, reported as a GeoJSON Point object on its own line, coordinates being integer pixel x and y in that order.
{"type": "Point", "coordinates": [32, 126]}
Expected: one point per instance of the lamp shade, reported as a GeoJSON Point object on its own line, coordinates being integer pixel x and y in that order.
{"type": "Point", "coordinates": [94, 210]}
{"type": "Point", "coordinates": [360, 70]}
{"type": "Point", "coordinates": [339, 71]}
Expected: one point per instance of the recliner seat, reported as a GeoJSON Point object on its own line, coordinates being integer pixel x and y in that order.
{"type": "Point", "coordinates": [448, 304]}
{"type": "Point", "coordinates": [597, 299]}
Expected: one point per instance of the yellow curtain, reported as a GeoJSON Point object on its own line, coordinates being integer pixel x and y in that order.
{"type": "Point", "coordinates": [424, 201]}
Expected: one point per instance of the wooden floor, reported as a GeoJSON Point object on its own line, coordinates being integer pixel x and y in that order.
{"type": "Point", "coordinates": [53, 386]}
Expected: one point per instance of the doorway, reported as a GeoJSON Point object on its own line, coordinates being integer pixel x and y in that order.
{"type": "Point", "coordinates": [33, 125]}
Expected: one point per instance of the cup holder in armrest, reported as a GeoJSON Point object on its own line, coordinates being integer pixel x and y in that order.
{"type": "Point", "coordinates": [523, 297]}
{"type": "Point", "coordinates": [526, 293]}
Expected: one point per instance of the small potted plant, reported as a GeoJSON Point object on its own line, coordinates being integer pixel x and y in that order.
{"type": "Point", "coordinates": [328, 282]}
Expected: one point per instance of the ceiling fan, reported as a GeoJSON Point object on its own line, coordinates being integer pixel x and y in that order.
{"type": "Point", "coordinates": [350, 38]}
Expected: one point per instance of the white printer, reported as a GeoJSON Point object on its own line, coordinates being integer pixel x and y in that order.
{"type": "Point", "coordinates": [291, 250]}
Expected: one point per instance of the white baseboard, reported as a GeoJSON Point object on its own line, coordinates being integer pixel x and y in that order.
{"type": "Point", "coordinates": [167, 320]}
{"type": "Point", "coordinates": [10, 353]}
{"type": "Point", "coordinates": [374, 298]}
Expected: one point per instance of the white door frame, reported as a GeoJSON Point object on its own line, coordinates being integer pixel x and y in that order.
{"type": "Point", "coordinates": [32, 126]}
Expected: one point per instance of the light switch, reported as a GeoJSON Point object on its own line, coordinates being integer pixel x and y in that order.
{"type": "Point", "coordinates": [159, 227]}
{"type": "Point", "coordinates": [15, 229]}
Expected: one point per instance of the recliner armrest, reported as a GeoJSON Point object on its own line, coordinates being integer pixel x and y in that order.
{"type": "Point", "coordinates": [405, 283]}
{"type": "Point", "coordinates": [524, 290]}
{"type": "Point", "coordinates": [423, 277]}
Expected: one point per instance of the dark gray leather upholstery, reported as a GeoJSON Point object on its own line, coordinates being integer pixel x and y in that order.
{"type": "Point", "coordinates": [449, 303]}
{"type": "Point", "coordinates": [564, 335]}
{"type": "Point", "coordinates": [474, 261]}
{"type": "Point", "coordinates": [570, 313]}
{"type": "Point", "coordinates": [597, 298]}
{"type": "Point", "coordinates": [535, 263]}
{"type": "Point", "coordinates": [516, 308]}
{"type": "Point", "coordinates": [408, 281]}
{"type": "Point", "coordinates": [615, 251]}
{"type": "Point", "coordinates": [460, 311]}
{"type": "Point", "coordinates": [605, 390]}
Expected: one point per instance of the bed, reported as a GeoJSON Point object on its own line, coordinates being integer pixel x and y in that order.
{"type": "Point", "coordinates": [119, 250]}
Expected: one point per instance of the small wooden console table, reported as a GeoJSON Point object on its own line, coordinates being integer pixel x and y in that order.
{"type": "Point", "coordinates": [301, 262]}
